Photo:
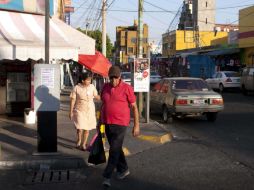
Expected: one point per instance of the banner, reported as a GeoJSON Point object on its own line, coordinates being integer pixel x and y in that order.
{"type": "Point", "coordinates": [30, 6]}
{"type": "Point", "coordinates": [141, 75]}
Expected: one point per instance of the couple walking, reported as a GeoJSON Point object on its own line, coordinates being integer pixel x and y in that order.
{"type": "Point", "coordinates": [117, 99]}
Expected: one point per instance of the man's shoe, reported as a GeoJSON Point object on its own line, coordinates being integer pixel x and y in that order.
{"type": "Point", "coordinates": [123, 174]}
{"type": "Point", "coordinates": [106, 182]}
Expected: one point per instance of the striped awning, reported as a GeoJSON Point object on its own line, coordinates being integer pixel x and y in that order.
{"type": "Point", "coordinates": [22, 36]}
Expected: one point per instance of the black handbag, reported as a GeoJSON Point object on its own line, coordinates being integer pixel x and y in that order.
{"type": "Point", "coordinates": [97, 153]}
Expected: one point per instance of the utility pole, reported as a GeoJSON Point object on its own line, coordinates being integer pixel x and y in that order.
{"type": "Point", "coordinates": [140, 49]}
{"type": "Point", "coordinates": [104, 39]}
{"type": "Point", "coordinates": [47, 31]}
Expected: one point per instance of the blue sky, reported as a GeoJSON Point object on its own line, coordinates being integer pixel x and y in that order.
{"type": "Point", "coordinates": [123, 13]}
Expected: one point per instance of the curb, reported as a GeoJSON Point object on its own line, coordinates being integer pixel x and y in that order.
{"type": "Point", "coordinates": [168, 137]}
{"type": "Point", "coordinates": [44, 164]}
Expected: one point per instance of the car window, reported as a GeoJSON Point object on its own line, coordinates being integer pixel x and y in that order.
{"type": "Point", "coordinates": [125, 75]}
{"type": "Point", "coordinates": [245, 72]}
{"type": "Point", "coordinates": [157, 86]}
{"type": "Point", "coordinates": [232, 74]}
{"type": "Point", "coordinates": [251, 72]}
{"type": "Point", "coordinates": [189, 84]}
{"type": "Point", "coordinates": [154, 73]}
{"type": "Point", "coordinates": [219, 75]}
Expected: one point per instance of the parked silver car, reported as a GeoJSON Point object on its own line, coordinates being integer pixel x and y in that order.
{"type": "Point", "coordinates": [185, 96]}
{"type": "Point", "coordinates": [247, 80]}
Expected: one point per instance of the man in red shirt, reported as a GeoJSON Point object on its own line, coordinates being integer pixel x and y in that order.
{"type": "Point", "coordinates": [117, 99]}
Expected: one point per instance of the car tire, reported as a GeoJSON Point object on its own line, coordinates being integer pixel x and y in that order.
{"type": "Point", "coordinates": [221, 88]}
{"type": "Point", "coordinates": [211, 116]}
{"type": "Point", "coordinates": [166, 116]}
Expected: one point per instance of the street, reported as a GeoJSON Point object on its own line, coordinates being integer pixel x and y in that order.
{"type": "Point", "coordinates": [203, 155]}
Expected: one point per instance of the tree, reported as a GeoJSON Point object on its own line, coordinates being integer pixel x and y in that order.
{"type": "Point", "coordinates": [97, 35]}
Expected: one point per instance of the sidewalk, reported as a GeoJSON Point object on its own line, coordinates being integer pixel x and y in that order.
{"type": "Point", "coordinates": [18, 143]}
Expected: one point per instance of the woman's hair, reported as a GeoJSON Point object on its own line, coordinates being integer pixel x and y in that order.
{"type": "Point", "coordinates": [84, 76]}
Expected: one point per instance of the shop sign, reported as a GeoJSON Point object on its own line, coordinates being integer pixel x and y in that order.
{"type": "Point", "coordinates": [30, 6]}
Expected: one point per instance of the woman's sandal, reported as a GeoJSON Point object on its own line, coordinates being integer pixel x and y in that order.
{"type": "Point", "coordinates": [84, 148]}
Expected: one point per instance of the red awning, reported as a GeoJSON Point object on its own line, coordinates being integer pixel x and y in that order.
{"type": "Point", "coordinates": [97, 63]}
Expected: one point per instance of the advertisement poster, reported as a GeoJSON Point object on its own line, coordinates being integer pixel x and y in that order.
{"type": "Point", "coordinates": [141, 75]}
{"type": "Point", "coordinates": [30, 6]}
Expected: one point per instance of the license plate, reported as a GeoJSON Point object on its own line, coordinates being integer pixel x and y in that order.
{"type": "Point", "coordinates": [199, 101]}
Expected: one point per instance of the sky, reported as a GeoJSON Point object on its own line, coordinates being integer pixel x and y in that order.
{"type": "Point", "coordinates": [123, 13]}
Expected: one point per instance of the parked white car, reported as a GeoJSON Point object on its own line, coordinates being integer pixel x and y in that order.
{"type": "Point", "coordinates": [224, 79]}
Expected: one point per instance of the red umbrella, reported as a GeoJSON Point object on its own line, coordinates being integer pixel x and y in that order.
{"type": "Point", "coordinates": [97, 63]}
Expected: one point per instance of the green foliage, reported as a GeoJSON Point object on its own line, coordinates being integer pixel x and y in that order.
{"type": "Point", "coordinates": [97, 35]}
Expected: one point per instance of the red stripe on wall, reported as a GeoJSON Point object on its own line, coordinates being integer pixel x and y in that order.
{"type": "Point", "coordinates": [248, 34]}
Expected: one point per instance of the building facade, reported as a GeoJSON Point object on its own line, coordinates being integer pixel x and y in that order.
{"type": "Point", "coordinates": [183, 39]}
{"type": "Point", "coordinates": [246, 35]}
{"type": "Point", "coordinates": [204, 14]}
{"type": "Point", "coordinates": [127, 43]}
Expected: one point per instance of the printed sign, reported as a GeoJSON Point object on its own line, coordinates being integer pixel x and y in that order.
{"type": "Point", "coordinates": [141, 75]}
{"type": "Point", "coordinates": [46, 87]}
{"type": "Point", "coordinates": [47, 77]}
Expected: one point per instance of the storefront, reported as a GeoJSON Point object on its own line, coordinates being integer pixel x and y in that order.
{"type": "Point", "coordinates": [22, 45]}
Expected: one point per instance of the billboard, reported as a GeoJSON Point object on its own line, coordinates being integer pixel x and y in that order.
{"type": "Point", "coordinates": [30, 6]}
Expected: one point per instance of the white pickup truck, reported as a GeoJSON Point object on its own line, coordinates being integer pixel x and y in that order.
{"type": "Point", "coordinates": [247, 80]}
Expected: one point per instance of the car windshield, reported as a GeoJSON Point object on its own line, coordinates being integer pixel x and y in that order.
{"type": "Point", "coordinates": [154, 73]}
{"type": "Point", "coordinates": [126, 75]}
{"type": "Point", "coordinates": [233, 74]}
{"type": "Point", "coordinates": [198, 85]}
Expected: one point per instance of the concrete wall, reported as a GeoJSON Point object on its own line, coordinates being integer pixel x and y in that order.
{"type": "Point", "coordinates": [204, 14]}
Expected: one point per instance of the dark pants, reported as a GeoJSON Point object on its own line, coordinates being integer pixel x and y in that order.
{"type": "Point", "coordinates": [115, 135]}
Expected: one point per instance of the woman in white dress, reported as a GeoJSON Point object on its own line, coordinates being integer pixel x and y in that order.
{"type": "Point", "coordinates": [82, 109]}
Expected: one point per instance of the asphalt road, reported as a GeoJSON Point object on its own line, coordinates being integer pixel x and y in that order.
{"type": "Point", "coordinates": [232, 133]}
{"type": "Point", "coordinates": [203, 156]}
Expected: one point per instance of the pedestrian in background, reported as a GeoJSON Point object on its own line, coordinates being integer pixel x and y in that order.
{"type": "Point", "coordinates": [117, 99]}
{"type": "Point", "coordinates": [82, 109]}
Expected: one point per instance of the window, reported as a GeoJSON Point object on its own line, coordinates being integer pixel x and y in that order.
{"type": "Point", "coordinates": [130, 49]}
{"type": "Point", "coordinates": [144, 40]}
{"type": "Point", "coordinates": [134, 40]}
{"type": "Point", "coordinates": [206, 4]}
{"type": "Point", "coordinates": [206, 20]}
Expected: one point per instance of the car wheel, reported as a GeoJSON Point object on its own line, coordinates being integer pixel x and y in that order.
{"type": "Point", "coordinates": [166, 116]}
{"type": "Point", "coordinates": [211, 116]}
{"type": "Point", "coordinates": [221, 88]}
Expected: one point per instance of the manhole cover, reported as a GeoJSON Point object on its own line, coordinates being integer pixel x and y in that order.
{"type": "Point", "coordinates": [52, 176]}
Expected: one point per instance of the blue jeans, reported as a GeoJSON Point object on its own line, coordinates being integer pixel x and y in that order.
{"type": "Point", "coordinates": [115, 135]}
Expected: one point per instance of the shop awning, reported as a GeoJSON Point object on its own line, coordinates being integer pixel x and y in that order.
{"type": "Point", "coordinates": [97, 63]}
{"type": "Point", "coordinates": [223, 52]}
{"type": "Point", "coordinates": [22, 37]}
